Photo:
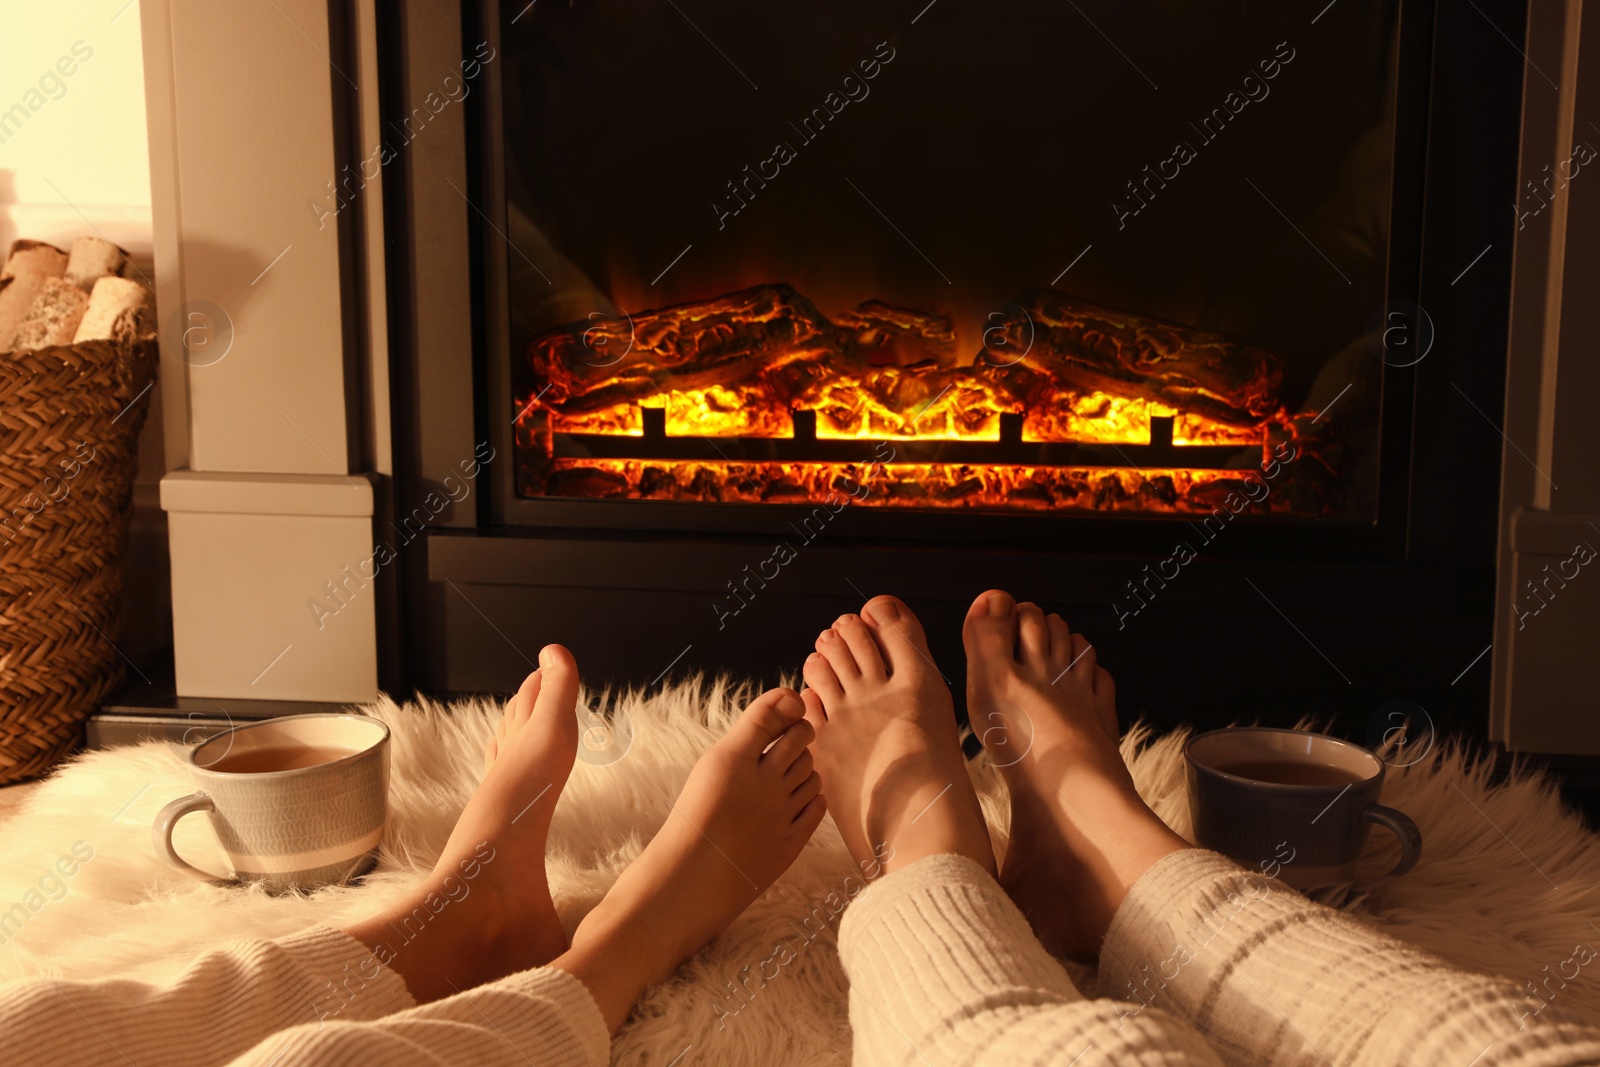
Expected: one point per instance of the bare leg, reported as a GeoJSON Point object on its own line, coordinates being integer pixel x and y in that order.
{"type": "Point", "coordinates": [485, 911]}
{"type": "Point", "coordinates": [887, 745]}
{"type": "Point", "coordinates": [1080, 834]}
{"type": "Point", "coordinates": [749, 806]}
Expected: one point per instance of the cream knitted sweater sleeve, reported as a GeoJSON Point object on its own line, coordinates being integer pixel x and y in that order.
{"type": "Point", "coordinates": [945, 971]}
{"type": "Point", "coordinates": [218, 1008]}
{"type": "Point", "coordinates": [1271, 978]}
{"type": "Point", "coordinates": [315, 999]}
{"type": "Point", "coordinates": [543, 1018]}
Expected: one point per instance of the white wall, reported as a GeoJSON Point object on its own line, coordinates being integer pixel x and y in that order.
{"type": "Point", "coordinates": [73, 145]}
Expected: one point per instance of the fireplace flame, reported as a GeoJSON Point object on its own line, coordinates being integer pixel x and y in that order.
{"type": "Point", "coordinates": [764, 365]}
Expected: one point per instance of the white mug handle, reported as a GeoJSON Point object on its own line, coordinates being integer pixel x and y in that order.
{"type": "Point", "coordinates": [167, 818]}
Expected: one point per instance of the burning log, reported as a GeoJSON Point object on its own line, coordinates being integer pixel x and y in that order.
{"type": "Point", "coordinates": [728, 341]}
{"type": "Point", "coordinates": [1081, 347]}
{"type": "Point", "coordinates": [768, 349]}
{"type": "Point", "coordinates": [889, 335]}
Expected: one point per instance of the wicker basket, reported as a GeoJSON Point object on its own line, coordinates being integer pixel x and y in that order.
{"type": "Point", "coordinates": [69, 430]}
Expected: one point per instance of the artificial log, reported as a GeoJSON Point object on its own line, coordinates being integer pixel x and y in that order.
{"type": "Point", "coordinates": [887, 334]}
{"type": "Point", "coordinates": [1082, 347]}
{"type": "Point", "coordinates": [775, 349]}
{"type": "Point", "coordinates": [605, 361]}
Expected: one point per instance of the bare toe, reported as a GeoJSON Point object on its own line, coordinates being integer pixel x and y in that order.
{"type": "Point", "coordinates": [899, 634]}
{"type": "Point", "coordinates": [521, 705]}
{"type": "Point", "coordinates": [1062, 642]}
{"type": "Point", "coordinates": [765, 721]}
{"type": "Point", "coordinates": [1033, 637]}
{"type": "Point", "coordinates": [863, 648]}
{"type": "Point", "coordinates": [1082, 663]}
{"type": "Point", "coordinates": [990, 627]}
{"type": "Point", "coordinates": [790, 746]}
{"type": "Point", "coordinates": [832, 647]}
{"type": "Point", "coordinates": [819, 675]}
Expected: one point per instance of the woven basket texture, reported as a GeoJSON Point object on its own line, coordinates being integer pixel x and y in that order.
{"type": "Point", "coordinates": [70, 418]}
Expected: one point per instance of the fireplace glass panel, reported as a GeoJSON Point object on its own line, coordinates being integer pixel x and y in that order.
{"type": "Point", "coordinates": [1083, 257]}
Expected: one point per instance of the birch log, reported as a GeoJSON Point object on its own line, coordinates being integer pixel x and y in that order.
{"type": "Point", "coordinates": [17, 294]}
{"type": "Point", "coordinates": [54, 317]}
{"type": "Point", "coordinates": [35, 257]}
{"type": "Point", "coordinates": [118, 308]}
{"type": "Point", "coordinates": [93, 258]}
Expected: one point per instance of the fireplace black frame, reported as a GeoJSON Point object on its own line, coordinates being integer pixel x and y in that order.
{"type": "Point", "coordinates": [627, 582]}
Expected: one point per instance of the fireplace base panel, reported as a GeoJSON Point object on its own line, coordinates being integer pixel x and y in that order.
{"type": "Point", "coordinates": [1223, 642]}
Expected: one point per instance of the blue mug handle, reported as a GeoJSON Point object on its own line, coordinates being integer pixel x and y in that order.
{"type": "Point", "coordinates": [1399, 824]}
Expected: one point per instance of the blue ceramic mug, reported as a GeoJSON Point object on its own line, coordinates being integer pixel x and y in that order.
{"type": "Point", "coordinates": [1294, 804]}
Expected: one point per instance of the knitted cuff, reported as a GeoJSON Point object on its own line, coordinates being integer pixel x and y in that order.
{"type": "Point", "coordinates": [942, 928]}
{"type": "Point", "coordinates": [573, 1031]}
{"type": "Point", "coordinates": [351, 984]}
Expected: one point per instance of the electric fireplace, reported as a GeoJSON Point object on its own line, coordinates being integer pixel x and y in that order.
{"type": "Point", "coordinates": [877, 280]}
{"type": "Point", "coordinates": [1142, 311]}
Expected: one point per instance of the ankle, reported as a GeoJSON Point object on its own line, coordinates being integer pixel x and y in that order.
{"type": "Point", "coordinates": [616, 928]}
{"type": "Point", "coordinates": [617, 952]}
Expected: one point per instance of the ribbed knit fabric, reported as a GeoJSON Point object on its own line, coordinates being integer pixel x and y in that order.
{"type": "Point", "coordinates": [1271, 978]}
{"type": "Point", "coordinates": [316, 998]}
{"type": "Point", "coordinates": [945, 971]}
{"type": "Point", "coordinates": [221, 1006]}
{"type": "Point", "coordinates": [543, 1017]}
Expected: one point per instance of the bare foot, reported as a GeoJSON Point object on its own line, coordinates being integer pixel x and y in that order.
{"type": "Point", "coordinates": [1046, 713]}
{"type": "Point", "coordinates": [484, 911]}
{"type": "Point", "coordinates": [887, 745]}
{"type": "Point", "coordinates": [750, 804]}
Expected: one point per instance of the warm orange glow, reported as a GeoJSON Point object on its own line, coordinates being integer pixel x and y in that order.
{"type": "Point", "coordinates": [916, 485]}
{"type": "Point", "coordinates": [847, 412]}
{"type": "Point", "coordinates": [760, 363]}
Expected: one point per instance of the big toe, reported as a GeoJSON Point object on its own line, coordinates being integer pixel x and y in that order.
{"type": "Point", "coordinates": [765, 720]}
{"type": "Point", "coordinates": [555, 700]}
{"type": "Point", "coordinates": [899, 633]}
{"type": "Point", "coordinates": [990, 629]}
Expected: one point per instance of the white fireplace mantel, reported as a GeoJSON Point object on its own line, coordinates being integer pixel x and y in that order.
{"type": "Point", "coordinates": [273, 368]}
{"type": "Point", "coordinates": [1546, 695]}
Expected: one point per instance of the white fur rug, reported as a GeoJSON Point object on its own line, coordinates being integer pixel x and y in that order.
{"type": "Point", "coordinates": [1507, 882]}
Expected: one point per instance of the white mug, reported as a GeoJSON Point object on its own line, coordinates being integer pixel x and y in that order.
{"type": "Point", "coordinates": [289, 829]}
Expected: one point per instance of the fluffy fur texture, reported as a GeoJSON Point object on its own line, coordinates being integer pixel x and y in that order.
{"type": "Point", "coordinates": [1506, 885]}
